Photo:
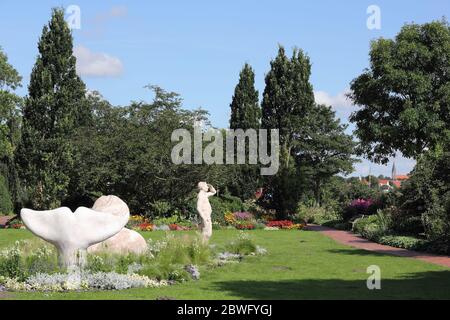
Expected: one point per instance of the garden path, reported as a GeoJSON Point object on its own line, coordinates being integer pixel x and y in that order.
{"type": "Point", "coordinates": [350, 239]}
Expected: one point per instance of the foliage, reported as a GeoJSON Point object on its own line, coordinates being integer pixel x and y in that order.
{"type": "Point", "coordinates": [161, 208]}
{"type": "Point", "coordinates": [53, 109]}
{"type": "Point", "coordinates": [26, 258]}
{"type": "Point", "coordinates": [141, 172]}
{"type": "Point", "coordinates": [405, 242]}
{"type": "Point", "coordinates": [245, 114]}
{"type": "Point", "coordinates": [245, 110]}
{"type": "Point", "coordinates": [287, 102]}
{"type": "Point", "coordinates": [172, 253]}
{"type": "Point", "coordinates": [359, 207]}
{"type": "Point", "coordinates": [313, 214]}
{"type": "Point", "coordinates": [405, 94]}
{"type": "Point", "coordinates": [329, 151]}
{"type": "Point", "coordinates": [242, 245]}
{"type": "Point", "coordinates": [337, 224]}
{"type": "Point", "coordinates": [313, 144]}
{"type": "Point", "coordinates": [61, 282]}
{"type": "Point", "coordinates": [426, 197]}
{"type": "Point", "coordinates": [6, 205]}
{"type": "Point", "coordinates": [222, 205]}
{"type": "Point", "coordinates": [437, 223]}
{"type": "Point", "coordinates": [369, 227]}
{"type": "Point", "coordinates": [10, 120]}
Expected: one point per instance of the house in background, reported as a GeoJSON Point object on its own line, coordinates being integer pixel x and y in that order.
{"type": "Point", "coordinates": [395, 181]}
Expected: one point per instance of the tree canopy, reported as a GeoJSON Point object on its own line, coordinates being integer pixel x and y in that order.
{"type": "Point", "coordinates": [404, 96]}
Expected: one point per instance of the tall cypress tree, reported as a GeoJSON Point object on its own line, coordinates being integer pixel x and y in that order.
{"type": "Point", "coordinates": [245, 110]}
{"type": "Point", "coordinates": [287, 105]}
{"type": "Point", "coordinates": [245, 114]}
{"type": "Point", "coordinates": [53, 109]}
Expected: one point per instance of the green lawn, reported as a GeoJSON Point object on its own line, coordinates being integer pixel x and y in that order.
{"type": "Point", "coordinates": [300, 265]}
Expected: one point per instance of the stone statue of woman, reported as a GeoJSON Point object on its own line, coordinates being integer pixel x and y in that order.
{"type": "Point", "coordinates": [204, 208]}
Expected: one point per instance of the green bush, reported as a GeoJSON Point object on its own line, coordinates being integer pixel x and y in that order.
{"type": "Point", "coordinates": [426, 197]}
{"type": "Point", "coordinates": [374, 226]}
{"type": "Point", "coordinates": [222, 205]}
{"type": "Point", "coordinates": [6, 205]}
{"type": "Point", "coordinates": [27, 258]}
{"type": "Point", "coordinates": [161, 209]}
{"type": "Point", "coordinates": [242, 245]}
{"type": "Point", "coordinates": [165, 220]}
{"type": "Point", "coordinates": [437, 223]}
{"type": "Point", "coordinates": [338, 224]}
{"type": "Point", "coordinates": [405, 242]}
{"type": "Point", "coordinates": [313, 214]}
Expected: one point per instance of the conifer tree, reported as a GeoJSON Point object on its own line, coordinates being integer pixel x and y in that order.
{"type": "Point", "coordinates": [54, 108]}
{"type": "Point", "coordinates": [288, 103]}
{"type": "Point", "coordinates": [245, 114]}
{"type": "Point", "coordinates": [245, 110]}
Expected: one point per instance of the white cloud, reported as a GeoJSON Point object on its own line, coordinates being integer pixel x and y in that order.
{"type": "Point", "coordinates": [96, 26]}
{"type": "Point", "coordinates": [113, 12]}
{"type": "Point", "coordinates": [118, 11]}
{"type": "Point", "coordinates": [96, 64]}
{"type": "Point", "coordinates": [340, 103]}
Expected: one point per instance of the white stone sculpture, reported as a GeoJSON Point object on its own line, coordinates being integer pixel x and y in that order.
{"type": "Point", "coordinates": [73, 232]}
{"type": "Point", "coordinates": [126, 240]}
{"type": "Point", "coordinates": [204, 208]}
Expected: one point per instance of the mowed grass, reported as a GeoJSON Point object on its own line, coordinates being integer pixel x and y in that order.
{"type": "Point", "coordinates": [299, 265]}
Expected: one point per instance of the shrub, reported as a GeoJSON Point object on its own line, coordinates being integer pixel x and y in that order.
{"type": "Point", "coordinates": [6, 205]}
{"type": "Point", "coordinates": [314, 214]}
{"type": "Point", "coordinates": [359, 207]}
{"type": "Point", "coordinates": [405, 242]}
{"type": "Point", "coordinates": [26, 258]}
{"type": "Point", "coordinates": [243, 245]}
{"type": "Point", "coordinates": [222, 205]}
{"type": "Point", "coordinates": [407, 224]}
{"type": "Point", "coordinates": [165, 220]}
{"type": "Point", "coordinates": [173, 253]}
{"type": "Point", "coordinates": [161, 209]}
{"type": "Point", "coordinates": [374, 226]}
{"type": "Point", "coordinates": [426, 195]}
{"type": "Point", "coordinates": [437, 223]}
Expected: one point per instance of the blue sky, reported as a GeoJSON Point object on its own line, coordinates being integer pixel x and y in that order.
{"type": "Point", "coordinates": [197, 48]}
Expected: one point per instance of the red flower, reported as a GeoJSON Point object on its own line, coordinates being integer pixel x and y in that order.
{"type": "Point", "coordinates": [247, 226]}
{"type": "Point", "coordinates": [282, 224]}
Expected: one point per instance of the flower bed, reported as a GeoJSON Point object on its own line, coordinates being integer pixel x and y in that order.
{"type": "Point", "coordinates": [32, 265]}
{"type": "Point", "coordinates": [145, 226]}
{"type": "Point", "coordinates": [140, 223]}
{"type": "Point", "coordinates": [246, 226]}
{"type": "Point", "coordinates": [175, 227]}
{"type": "Point", "coordinates": [285, 224]}
{"type": "Point", "coordinates": [241, 220]}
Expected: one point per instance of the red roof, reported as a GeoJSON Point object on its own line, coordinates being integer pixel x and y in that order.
{"type": "Point", "coordinates": [397, 183]}
{"type": "Point", "coordinates": [383, 182]}
{"type": "Point", "coordinates": [402, 177]}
